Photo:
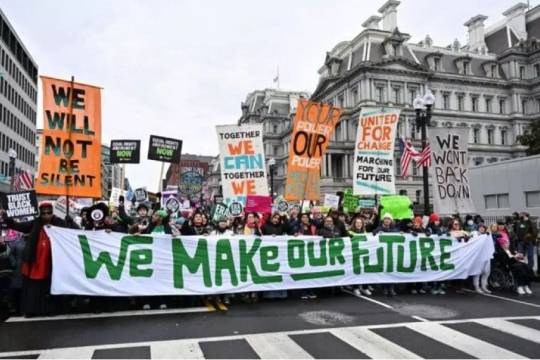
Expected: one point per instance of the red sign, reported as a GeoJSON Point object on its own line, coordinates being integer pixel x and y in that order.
{"type": "Point", "coordinates": [258, 203]}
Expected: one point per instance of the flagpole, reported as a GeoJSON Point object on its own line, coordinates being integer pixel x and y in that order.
{"type": "Point", "coordinates": [70, 126]}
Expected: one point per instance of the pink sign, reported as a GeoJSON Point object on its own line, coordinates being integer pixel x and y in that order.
{"type": "Point", "coordinates": [258, 203]}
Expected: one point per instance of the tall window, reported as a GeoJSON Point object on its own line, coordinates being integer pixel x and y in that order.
{"type": "Point", "coordinates": [476, 136]}
{"type": "Point", "coordinates": [537, 70]}
{"type": "Point", "coordinates": [460, 102]}
{"type": "Point", "coordinates": [446, 102]}
{"type": "Point", "coordinates": [379, 93]}
{"type": "Point", "coordinates": [412, 94]}
{"type": "Point", "coordinates": [522, 72]}
{"type": "Point", "coordinates": [488, 105]}
{"type": "Point", "coordinates": [490, 136]}
{"type": "Point", "coordinates": [501, 106]}
{"type": "Point", "coordinates": [397, 96]}
{"type": "Point", "coordinates": [437, 64]}
{"type": "Point", "coordinates": [524, 107]}
{"type": "Point", "coordinates": [474, 104]}
{"type": "Point", "coordinates": [275, 129]}
{"type": "Point", "coordinates": [354, 95]}
{"type": "Point", "coordinates": [503, 137]}
{"type": "Point", "coordinates": [493, 71]}
{"type": "Point", "coordinates": [465, 68]}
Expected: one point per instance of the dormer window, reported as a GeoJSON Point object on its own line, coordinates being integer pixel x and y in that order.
{"type": "Point", "coordinates": [463, 64]}
{"type": "Point", "coordinates": [434, 62]}
{"type": "Point", "coordinates": [437, 64]}
{"type": "Point", "coordinates": [466, 66]}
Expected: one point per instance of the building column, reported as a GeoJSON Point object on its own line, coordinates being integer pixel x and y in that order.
{"type": "Point", "coordinates": [346, 165]}
{"type": "Point", "coordinates": [329, 165]}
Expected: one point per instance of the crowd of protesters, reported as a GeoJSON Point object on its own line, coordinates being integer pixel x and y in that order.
{"type": "Point", "coordinates": [25, 252]}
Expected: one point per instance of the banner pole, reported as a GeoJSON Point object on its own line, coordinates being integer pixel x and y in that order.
{"type": "Point", "coordinates": [160, 184]}
{"type": "Point", "coordinates": [70, 126]}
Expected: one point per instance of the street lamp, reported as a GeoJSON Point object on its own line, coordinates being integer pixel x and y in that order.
{"type": "Point", "coordinates": [422, 106]}
{"type": "Point", "coordinates": [11, 168]}
{"type": "Point", "coordinates": [271, 166]}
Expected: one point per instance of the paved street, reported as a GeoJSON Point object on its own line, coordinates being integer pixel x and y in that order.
{"type": "Point", "coordinates": [343, 326]}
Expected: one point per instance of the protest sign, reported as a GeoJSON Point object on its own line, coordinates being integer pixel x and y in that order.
{"type": "Point", "coordinates": [125, 151]}
{"type": "Point", "coordinates": [283, 206]}
{"type": "Point", "coordinates": [164, 149]}
{"type": "Point", "coordinates": [18, 205]}
{"type": "Point", "coordinates": [331, 201]}
{"type": "Point", "coordinates": [374, 151]}
{"type": "Point", "coordinates": [366, 203]}
{"type": "Point", "coordinates": [75, 206]}
{"type": "Point", "coordinates": [399, 206]}
{"type": "Point", "coordinates": [165, 195]}
{"type": "Point", "coordinates": [219, 211]}
{"type": "Point", "coordinates": [243, 169]}
{"type": "Point", "coordinates": [257, 203]}
{"type": "Point", "coordinates": [114, 200]}
{"type": "Point", "coordinates": [313, 126]}
{"type": "Point", "coordinates": [236, 208]}
{"type": "Point", "coordinates": [451, 190]}
{"type": "Point", "coordinates": [172, 204]}
{"type": "Point", "coordinates": [113, 264]}
{"type": "Point", "coordinates": [141, 195]}
{"type": "Point", "coordinates": [70, 155]}
{"type": "Point", "coordinates": [191, 182]}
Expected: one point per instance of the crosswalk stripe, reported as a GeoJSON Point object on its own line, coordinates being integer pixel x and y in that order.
{"type": "Point", "coordinates": [512, 328]}
{"type": "Point", "coordinates": [468, 344]}
{"type": "Point", "coordinates": [182, 349]}
{"type": "Point", "coordinates": [69, 353]}
{"type": "Point", "coordinates": [373, 345]}
{"type": "Point", "coordinates": [276, 346]}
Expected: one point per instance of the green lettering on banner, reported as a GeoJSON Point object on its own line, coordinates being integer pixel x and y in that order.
{"type": "Point", "coordinates": [199, 260]}
{"type": "Point", "coordinates": [444, 243]}
{"type": "Point", "coordinates": [358, 252]}
{"type": "Point", "coordinates": [335, 251]}
{"type": "Point", "coordinates": [225, 261]}
{"type": "Point", "coordinates": [269, 253]}
{"type": "Point", "coordinates": [296, 261]}
{"type": "Point", "coordinates": [141, 257]}
{"type": "Point", "coordinates": [248, 267]}
{"type": "Point", "coordinates": [401, 257]}
{"type": "Point", "coordinates": [427, 245]}
{"type": "Point", "coordinates": [390, 240]}
{"type": "Point", "coordinates": [313, 259]}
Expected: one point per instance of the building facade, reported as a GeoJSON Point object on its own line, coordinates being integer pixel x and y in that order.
{"type": "Point", "coordinates": [112, 175]}
{"type": "Point", "coordinates": [490, 85]}
{"type": "Point", "coordinates": [18, 103]}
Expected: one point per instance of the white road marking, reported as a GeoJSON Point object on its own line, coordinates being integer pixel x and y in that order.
{"type": "Point", "coordinates": [373, 345]}
{"type": "Point", "coordinates": [505, 298]}
{"type": "Point", "coordinates": [69, 353]}
{"type": "Point", "coordinates": [276, 346]}
{"type": "Point", "coordinates": [111, 314]}
{"type": "Point", "coordinates": [478, 348]}
{"type": "Point", "coordinates": [353, 329]}
{"type": "Point", "coordinates": [369, 299]}
{"type": "Point", "coordinates": [419, 318]}
{"type": "Point", "coordinates": [512, 329]}
{"type": "Point", "coordinates": [182, 349]}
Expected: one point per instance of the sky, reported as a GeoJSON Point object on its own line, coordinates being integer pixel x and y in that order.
{"type": "Point", "coordinates": [178, 68]}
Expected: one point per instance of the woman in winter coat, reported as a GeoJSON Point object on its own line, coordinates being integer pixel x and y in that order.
{"type": "Point", "coordinates": [306, 227]}
{"type": "Point", "coordinates": [358, 227]}
{"type": "Point", "coordinates": [275, 226]}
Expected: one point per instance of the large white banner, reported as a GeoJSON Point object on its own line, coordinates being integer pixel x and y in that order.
{"type": "Point", "coordinates": [114, 264]}
{"type": "Point", "coordinates": [243, 168]}
{"type": "Point", "coordinates": [449, 166]}
{"type": "Point", "coordinates": [374, 152]}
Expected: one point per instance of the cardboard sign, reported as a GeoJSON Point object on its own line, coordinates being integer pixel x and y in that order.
{"type": "Point", "coordinates": [350, 201]}
{"type": "Point", "coordinates": [243, 166]}
{"type": "Point", "coordinates": [70, 155]}
{"type": "Point", "coordinates": [164, 149]}
{"type": "Point", "coordinates": [165, 195]}
{"type": "Point", "coordinates": [331, 201]}
{"type": "Point", "coordinates": [313, 126]}
{"type": "Point", "coordinates": [19, 204]}
{"type": "Point", "coordinates": [374, 151]}
{"type": "Point", "coordinates": [399, 206]}
{"type": "Point", "coordinates": [366, 203]}
{"type": "Point", "coordinates": [236, 209]}
{"type": "Point", "coordinates": [283, 206]}
{"type": "Point", "coordinates": [451, 189]}
{"type": "Point", "coordinates": [191, 182]}
{"type": "Point", "coordinates": [219, 211]}
{"type": "Point", "coordinates": [260, 204]}
{"type": "Point", "coordinates": [172, 204]}
{"type": "Point", "coordinates": [125, 151]}
{"type": "Point", "coordinates": [114, 200]}
{"type": "Point", "coordinates": [141, 195]}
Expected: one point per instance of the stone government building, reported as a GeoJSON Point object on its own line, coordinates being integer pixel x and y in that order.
{"type": "Point", "coordinates": [491, 84]}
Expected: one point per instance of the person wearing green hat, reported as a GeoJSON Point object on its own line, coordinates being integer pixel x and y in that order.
{"type": "Point", "coordinates": [159, 223]}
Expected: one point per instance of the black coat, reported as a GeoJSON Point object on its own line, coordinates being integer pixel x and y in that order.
{"type": "Point", "coordinates": [32, 228]}
{"type": "Point", "coordinates": [274, 229]}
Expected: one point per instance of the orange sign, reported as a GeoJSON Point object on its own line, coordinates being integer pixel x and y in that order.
{"type": "Point", "coordinates": [70, 149]}
{"type": "Point", "coordinates": [314, 124]}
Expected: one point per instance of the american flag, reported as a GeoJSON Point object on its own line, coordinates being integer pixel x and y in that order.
{"type": "Point", "coordinates": [408, 153]}
{"type": "Point", "coordinates": [425, 157]}
{"type": "Point", "coordinates": [23, 181]}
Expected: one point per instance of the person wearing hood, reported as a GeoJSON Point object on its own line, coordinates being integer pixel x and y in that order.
{"type": "Point", "coordinates": [275, 226]}
{"type": "Point", "coordinates": [470, 225]}
{"type": "Point", "coordinates": [36, 266]}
